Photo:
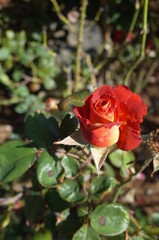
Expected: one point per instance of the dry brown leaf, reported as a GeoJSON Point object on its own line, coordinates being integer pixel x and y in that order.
{"type": "Point", "coordinates": [76, 139]}
{"type": "Point", "coordinates": [99, 156]}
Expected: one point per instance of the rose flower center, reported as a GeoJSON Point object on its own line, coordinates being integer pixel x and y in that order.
{"type": "Point", "coordinates": [106, 106]}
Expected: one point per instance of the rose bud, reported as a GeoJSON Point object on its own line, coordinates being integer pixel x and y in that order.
{"type": "Point", "coordinates": [112, 115]}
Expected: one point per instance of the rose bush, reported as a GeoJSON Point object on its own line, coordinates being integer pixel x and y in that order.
{"type": "Point", "coordinates": [112, 115]}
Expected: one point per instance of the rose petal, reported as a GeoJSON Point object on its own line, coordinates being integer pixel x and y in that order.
{"type": "Point", "coordinates": [129, 138]}
{"type": "Point", "coordinates": [132, 110]}
{"type": "Point", "coordinates": [102, 91]}
{"type": "Point", "coordinates": [136, 108]}
{"type": "Point", "coordinates": [83, 112]}
{"type": "Point", "coordinates": [100, 135]}
{"type": "Point", "coordinates": [96, 116]}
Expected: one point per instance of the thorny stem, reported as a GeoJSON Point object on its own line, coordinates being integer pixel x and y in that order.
{"type": "Point", "coordinates": [145, 16]}
{"type": "Point", "coordinates": [146, 163]}
{"type": "Point", "coordinates": [142, 52]}
{"type": "Point", "coordinates": [136, 14]}
{"type": "Point", "coordinates": [60, 15]}
{"type": "Point", "coordinates": [79, 45]}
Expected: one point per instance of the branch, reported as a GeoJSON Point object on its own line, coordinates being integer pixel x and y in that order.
{"type": "Point", "coordinates": [134, 20]}
{"type": "Point", "coordinates": [60, 15]}
{"type": "Point", "coordinates": [10, 200]}
{"type": "Point", "coordinates": [142, 52]}
{"type": "Point", "coordinates": [79, 46]}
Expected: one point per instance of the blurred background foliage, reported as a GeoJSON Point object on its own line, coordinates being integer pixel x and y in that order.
{"type": "Point", "coordinates": [38, 53]}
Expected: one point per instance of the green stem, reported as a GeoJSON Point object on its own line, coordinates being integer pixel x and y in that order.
{"type": "Point", "coordinates": [142, 52]}
{"type": "Point", "coordinates": [60, 15]}
{"type": "Point", "coordinates": [136, 14]}
{"type": "Point", "coordinates": [119, 189]}
{"type": "Point", "coordinates": [134, 20]}
{"type": "Point", "coordinates": [33, 69]}
{"type": "Point", "coordinates": [8, 102]}
{"type": "Point", "coordinates": [131, 70]}
{"type": "Point", "coordinates": [79, 46]}
{"type": "Point", "coordinates": [145, 16]}
{"type": "Point", "coordinates": [44, 34]}
{"type": "Point", "coordinates": [98, 15]}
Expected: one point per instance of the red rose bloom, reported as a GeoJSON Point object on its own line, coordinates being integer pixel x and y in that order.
{"type": "Point", "coordinates": [112, 115]}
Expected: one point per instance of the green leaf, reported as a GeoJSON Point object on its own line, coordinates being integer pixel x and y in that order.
{"type": "Point", "coordinates": [69, 226]}
{"type": "Point", "coordinates": [48, 170]}
{"type": "Point", "coordinates": [100, 185]}
{"type": "Point", "coordinates": [22, 91]}
{"type": "Point", "coordinates": [68, 126]}
{"type": "Point", "coordinates": [110, 220]}
{"type": "Point", "coordinates": [118, 237]}
{"type": "Point", "coordinates": [17, 75]}
{"type": "Point", "coordinates": [120, 157]}
{"type": "Point", "coordinates": [10, 34]}
{"type": "Point", "coordinates": [49, 83]}
{"type": "Point", "coordinates": [15, 159]}
{"type": "Point", "coordinates": [139, 238]}
{"type": "Point", "coordinates": [99, 156]}
{"type": "Point", "coordinates": [4, 79]}
{"type": "Point", "coordinates": [4, 54]}
{"type": "Point", "coordinates": [155, 218]}
{"type": "Point", "coordinates": [41, 130]}
{"type": "Point", "coordinates": [34, 207]}
{"type": "Point", "coordinates": [123, 160]}
{"type": "Point", "coordinates": [86, 233]}
{"type": "Point", "coordinates": [151, 230]}
{"type": "Point", "coordinates": [44, 234]}
{"type": "Point", "coordinates": [21, 108]}
{"type": "Point", "coordinates": [109, 170]}
{"type": "Point", "coordinates": [78, 98]}
{"type": "Point", "coordinates": [70, 165]}
{"type": "Point", "coordinates": [82, 211]}
{"type": "Point", "coordinates": [70, 191]}
{"type": "Point", "coordinates": [54, 201]}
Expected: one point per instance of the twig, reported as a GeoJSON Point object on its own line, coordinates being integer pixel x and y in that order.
{"type": "Point", "coordinates": [153, 67]}
{"type": "Point", "coordinates": [10, 200]}
{"type": "Point", "coordinates": [60, 15]}
{"type": "Point", "coordinates": [79, 45]}
{"type": "Point", "coordinates": [99, 13]}
{"type": "Point", "coordinates": [126, 235]}
{"type": "Point", "coordinates": [142, 52]}
{"type": "Point", "coordinates": [44, 34]}
{"type": "Point", "coordinates": [146, 163]}
{"type": "Point", "coordinates": [93, 81]}
{"type": "Point", "coordinates": [144, 76]}
{"type": "Point", "coordinates": [134, 20]}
